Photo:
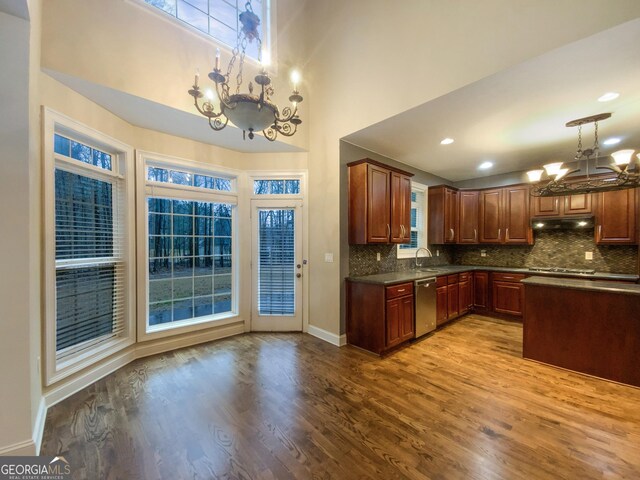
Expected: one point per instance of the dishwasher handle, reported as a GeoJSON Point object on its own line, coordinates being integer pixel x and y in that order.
{"type": "Point", "coordinates": [425, 282]}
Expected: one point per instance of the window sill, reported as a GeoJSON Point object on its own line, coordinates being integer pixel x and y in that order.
{"type": "Point", "coordinates": [178, 328]}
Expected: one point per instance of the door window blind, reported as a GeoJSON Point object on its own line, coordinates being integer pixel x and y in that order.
{"type": "Point", "coordinates": [276, 262]}
{"type": "Point", "coordinates": [90, 251]}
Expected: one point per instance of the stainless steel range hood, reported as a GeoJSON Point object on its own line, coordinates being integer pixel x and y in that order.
{"type": "Point", "coordinates": [565, 223]}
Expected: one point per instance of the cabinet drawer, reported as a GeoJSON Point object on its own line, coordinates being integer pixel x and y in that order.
{"type": "Point", "coordinates": [399, 290]}
{"type": "Point", "coordinates": [441, 281]}
{"type": "Point", "coordinates": [451, 279]}
{"type": "Point", "coordinates": [464, 277]}
{"type": "Point", "coordinates": [508, 277]}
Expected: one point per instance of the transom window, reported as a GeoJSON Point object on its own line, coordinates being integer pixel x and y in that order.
{"type": "Point", "coordinates": [189, 179]}
{"type": "Point", "coordinates": [217, 18]}
{"type": "Point", "coordinates": [276, 187]}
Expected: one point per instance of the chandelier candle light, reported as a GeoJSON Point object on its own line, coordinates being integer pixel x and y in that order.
{"type": "Point", "coordinates": [557, 183]}
{"type": "Point", "coordinates": [252, 113]}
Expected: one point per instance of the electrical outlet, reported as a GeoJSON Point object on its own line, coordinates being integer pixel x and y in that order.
{"type": "Point", "coordinates": [437, 253]}
{"type": "Point", "coordinates": [328, 257]}
{"type": "Point", "coordinates": [588, 255]}
{"type": "Point", "coordinates": [483, 253]}
{"type": "Point", "coordinates": [378, 256]}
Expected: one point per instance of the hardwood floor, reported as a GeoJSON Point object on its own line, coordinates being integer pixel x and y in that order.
{"type": "Point", "coordinates": [461, 403]}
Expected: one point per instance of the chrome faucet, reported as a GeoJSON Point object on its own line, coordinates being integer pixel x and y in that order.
{"type": "Point", "coordinates": [429, 254]}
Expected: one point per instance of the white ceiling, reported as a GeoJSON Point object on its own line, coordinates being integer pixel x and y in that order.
{"type": "Point", "coordinates": [516, 118]}
{"type": "Point", "coordinates": [155, 116]}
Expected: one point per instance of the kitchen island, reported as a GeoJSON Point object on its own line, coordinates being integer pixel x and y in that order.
{"type": "Point", "coordinates": [591, 327]}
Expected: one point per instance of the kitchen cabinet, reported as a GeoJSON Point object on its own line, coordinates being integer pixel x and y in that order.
{"type": "Point", "coordinates": [442, 313]}
{"type": "Point", "coordinates": [453, 297]}
{"type": "Point", "coordinates": [561, 206]}
{"type": "Point", "coordinates": [379, 203]}
{"type": "Point", "coordinates": [481, 290]}
{"type": "Point", "coordinates": [616, 218]}
{"type": "Point", "coordinates": [468, 214]}
{"type": "Point", "coordinates": [443, 215]}
{"type": "Point", "coordinates": [504, 216]}
{"type": "Point", "coordinates": [508, 293]}
{"type": "Point", "coordinates": [465, 301]}
{"type": "Point", "coordinates": [379, 318]}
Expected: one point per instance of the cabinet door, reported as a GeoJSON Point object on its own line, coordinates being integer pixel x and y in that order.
{"type": "Point", "coordinates": [450, 216]}
{"type": "Point", "coordinates": [615, 217]}
{"type": "Point", "coordinates": [464, 294]}
{"type": "Point", "coordinates": [490, 216]}
{"type": "Point", "coordinates": [393, 320]}
{"type": "Point", "coordinates": [508, 297]}
{"type": "Point", "coordinates": [577, 204]}
{"type": "Point", "coordinates": [407, 319]}
{"type": "Point", "coordinates": [453, 299]}
{"type": "Point", "coordinates": [547, 206]}
{"type": "Point", "coordinates": [442, 307]}
{"type": "Point", "coordinates": [378, 207]}
{"type": "Point", "coordinates": [400, 208]}
{"type": "Point", "coordinates": [481, 290]}
{"type": "Point", "coordinates": [468, 217]}
{"type": "Point", "coordinates": [516, 218]}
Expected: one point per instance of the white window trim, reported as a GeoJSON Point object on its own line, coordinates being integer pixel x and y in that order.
{"type": "Point", "coordinates": [54, 122]}
{"type": "Point", "coordinates": [411, 252]}
{"type": "Point", "coordinates": [269, 43]}
{"type": "Point", "coordinates": [169, 190]}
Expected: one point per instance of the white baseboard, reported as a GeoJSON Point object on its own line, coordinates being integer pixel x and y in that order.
{"type": "Point", "coordinates": [38, 427]}
{"type": "Point", "coordinates": [22, 449]}
{"type": "Point", "coordinates": [332, 338]}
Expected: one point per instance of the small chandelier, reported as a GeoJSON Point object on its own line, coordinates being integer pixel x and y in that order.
{"type": "Point", "coordinates": [252, 113]}
{"type": "Point", "coordinates": [556, 182]}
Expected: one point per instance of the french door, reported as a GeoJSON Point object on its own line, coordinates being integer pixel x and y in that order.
{"type": "Point", "coordinates": [276, 265]}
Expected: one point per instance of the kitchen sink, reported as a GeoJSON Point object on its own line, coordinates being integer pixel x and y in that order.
{"type": "Point", "coordinates": [427, 270]}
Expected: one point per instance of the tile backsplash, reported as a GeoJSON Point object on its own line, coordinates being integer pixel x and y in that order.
{"type": "Point", "coordinates": [363, 259]}
{"type": "Point", "coordinates": [559, 248]}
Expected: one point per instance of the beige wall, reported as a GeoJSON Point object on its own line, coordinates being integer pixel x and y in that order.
{"type": "Point", "coordinates": [16, 336]}
{"type": "Point", "coordinates": [371, 60]}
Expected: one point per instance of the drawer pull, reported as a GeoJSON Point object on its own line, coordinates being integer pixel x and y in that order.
{"type": "Point", "coordinates": [401, 290]}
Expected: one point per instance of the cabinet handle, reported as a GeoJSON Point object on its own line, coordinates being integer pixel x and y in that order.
{"type": "Point", "coordinates": [401, 290]}
{"type": "Point", "coordinates": [506, 236]}
{"type": "Point", "coordinates": [475, 234]}
{"type": "Point", "coordinates": [453, 234]}
{"type": "Point", "coordinates": [499, 234]}
{"type": "Point", "coordinates": [388, 231]}
{"type": "Point", "coordinates": [557, 202]}
{"type": "Point", "coordinates": [599, 232]}
{"type": "Point", "coordinates": [404, 231]}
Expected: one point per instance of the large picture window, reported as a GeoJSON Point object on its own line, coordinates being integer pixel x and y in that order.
{"type": "Point", "coordinates": [189, 237]}
{"type": "Point", "coordinates": [88, 297]}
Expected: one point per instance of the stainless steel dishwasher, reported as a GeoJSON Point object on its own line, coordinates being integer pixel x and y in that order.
{"type": "Point", "coordinates": [425, 295]}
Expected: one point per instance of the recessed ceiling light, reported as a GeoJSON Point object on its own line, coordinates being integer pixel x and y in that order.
{"type": "Point", "coordinates": [607, 97]}
{"type": "Point", "coordinates": [446, 141]}
{"type": "Point", "coordinates": [485, 165]}
{"type": "Point", "coordinates": [611, 141]}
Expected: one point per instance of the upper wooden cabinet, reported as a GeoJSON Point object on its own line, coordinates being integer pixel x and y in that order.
{"type": "Point", "coordinates": [616, 217]}
{"type": "Point", "coordinates": [468, 214]}
{"type": "Point", "coordinates": [443, 215]}
{"type": "Point", "coordinates": [504, 216]}
{"type": "Point", "coordinates": [561, 206]}
{"type": "Point", "coordinates": [379, 203]}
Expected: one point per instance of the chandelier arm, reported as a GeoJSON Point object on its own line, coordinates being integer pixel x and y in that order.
{"type": "Point", "coordinates": [217, 124]}
{"type": "Point", "coordinates": [223, 96]}
{"type": "Point", "coordinates": [285, 128]}
{"type": "Point", "coordinates": [270, 133]}
{"type": "Point", "coordinates": [287, 114]}
{"type": "Point", "coordinates": [207, 112]}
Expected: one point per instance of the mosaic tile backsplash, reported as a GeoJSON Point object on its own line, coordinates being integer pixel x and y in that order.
{"type": "Point", "coordinates": [560, 248]}
{"type": "Point", "coordinates": [363, 259]}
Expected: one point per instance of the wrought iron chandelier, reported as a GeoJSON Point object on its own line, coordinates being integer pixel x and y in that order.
{"type": "Point", "coordinates": [252, 113]}
{"type": "Point", "coordinates": [557, 183]}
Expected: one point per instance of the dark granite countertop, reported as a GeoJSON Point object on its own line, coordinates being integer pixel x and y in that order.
{"type": "Point", "coordinates": [579, 284]}
{"type": "Point", "coordinates": [412, 275]}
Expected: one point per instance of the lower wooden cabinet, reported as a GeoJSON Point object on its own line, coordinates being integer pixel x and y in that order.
{"type": "Point", "coordinates": [508, 293]}
{"type": "Point", "coordinates": [442, 309]}
{"type": "Point", "coordinates": [379, 317]}
{"type": "Point", "coordinates": [465, 299]}
{"type": "Point", "coordinates": [481, 291]}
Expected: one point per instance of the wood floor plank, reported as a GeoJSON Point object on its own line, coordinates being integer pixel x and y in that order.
{"type": "Point", "coordinates": [461, 403]}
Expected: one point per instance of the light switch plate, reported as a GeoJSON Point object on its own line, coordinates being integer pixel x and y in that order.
{"type": "Point", "coordinates": [483, 253]}
{"type": "Point", "coordinates": [328, 257]}
{"type": "Point", "coordinates": [378, 256]}
{"type": "Point", "coordinates": [588, 255]}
